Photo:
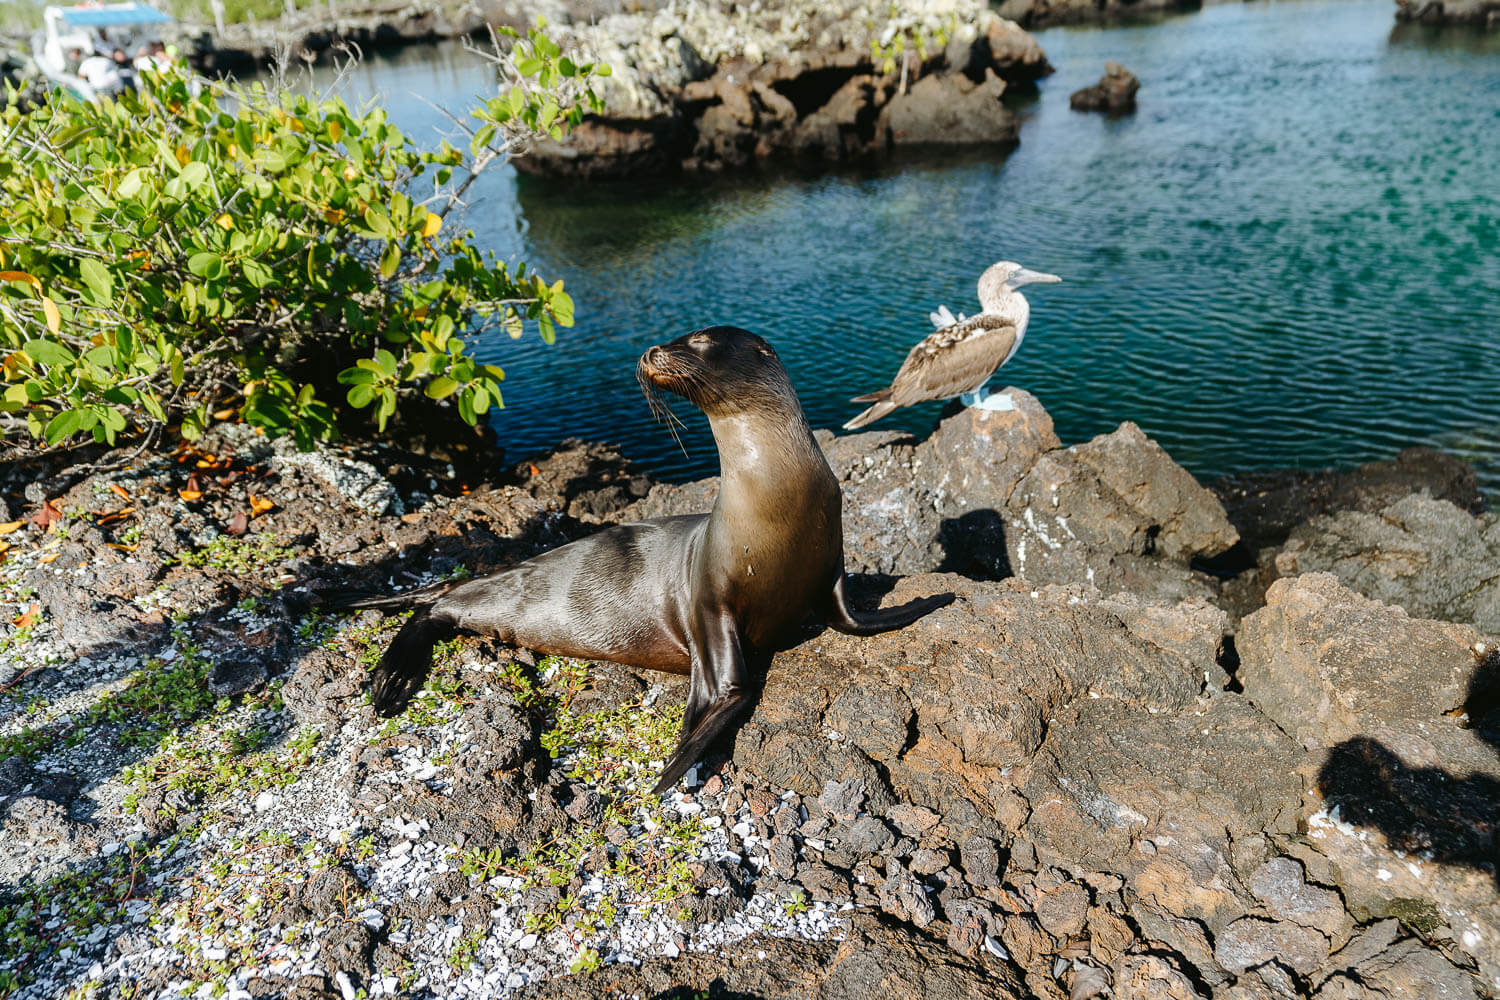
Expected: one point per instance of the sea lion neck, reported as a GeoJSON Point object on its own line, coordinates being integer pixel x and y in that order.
{"type": "Point", "coordinates": [761, 441]}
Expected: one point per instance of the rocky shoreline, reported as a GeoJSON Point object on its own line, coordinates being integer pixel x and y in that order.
{"type": "Point", "coordinates": [1163, 744]}
{"type": "Point", "coordinates": [708, 86]}
{"type": "Point", "coordinates": [1464, 13]}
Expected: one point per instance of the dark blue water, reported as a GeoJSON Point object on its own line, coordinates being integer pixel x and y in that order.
{"type": "Point", "coordinates": [1287, 257]}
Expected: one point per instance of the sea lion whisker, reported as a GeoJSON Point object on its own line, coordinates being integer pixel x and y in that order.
{"type": "Point", "coordinates": [661, 410]}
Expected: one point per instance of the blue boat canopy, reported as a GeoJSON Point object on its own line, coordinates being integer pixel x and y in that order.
{"type": "Point", "coordinates": [113, 15]}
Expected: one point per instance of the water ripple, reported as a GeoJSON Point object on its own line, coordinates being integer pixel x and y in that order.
{"type": "Point", "coordinates": [1287, 257]}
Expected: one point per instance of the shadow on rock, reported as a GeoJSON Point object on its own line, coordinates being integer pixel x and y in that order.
{"type": "Point", "coordinates": [1426, 811]}
{"type": "Point", "coordinates": [974, 545]}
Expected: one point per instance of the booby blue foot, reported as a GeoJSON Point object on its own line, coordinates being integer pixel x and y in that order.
{"type": "Point", "coordinates": [983, 399]}
{"type": "Point", "coordinates": [999, 402]}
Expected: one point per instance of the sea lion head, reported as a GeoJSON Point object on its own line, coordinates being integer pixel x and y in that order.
{"type": "Point", "coordinates": [720, 369]}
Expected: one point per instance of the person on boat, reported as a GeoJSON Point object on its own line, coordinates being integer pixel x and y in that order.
{"type": "Point", "coordinates": [125, 70]}
{"type": "Point", "coordinates": [101, 73]}
{"type": "Point", "coordinates": [152, 57]}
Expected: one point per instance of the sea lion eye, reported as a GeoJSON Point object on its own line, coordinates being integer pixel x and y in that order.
{"type": "Point", "coordinates": [699, 340]}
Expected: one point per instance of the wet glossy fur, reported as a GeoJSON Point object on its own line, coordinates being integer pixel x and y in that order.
{"type": "Point", "coordinates": [698, 594]}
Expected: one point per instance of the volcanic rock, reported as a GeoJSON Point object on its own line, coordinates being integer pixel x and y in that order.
{"type": "Point", "coordinates": [1265, 506]}
{"type": "Point", "coordinates": [1428, 556]}
{"type": "Point", "coordinates": [714, 85]}
{"type": "Point", "coordinates": [1114, 93]}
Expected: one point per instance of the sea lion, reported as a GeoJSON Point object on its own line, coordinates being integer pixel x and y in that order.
{"type": "Point", "coordinates": [708, 595]}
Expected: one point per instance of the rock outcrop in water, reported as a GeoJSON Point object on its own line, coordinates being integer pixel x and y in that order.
{"type": "Point", "coordinates": [713, 85]}
{"type": "Point", "coordinates": [1046, 13]}
{"type": "Point", "coordinates": [1101, 771]}
{"type": "Point", "coordinates": [1470, 13]}
{"type": "Point", "coordinates": [1114, 93]}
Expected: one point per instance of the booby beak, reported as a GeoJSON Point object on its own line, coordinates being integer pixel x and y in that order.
{"type": "Point", "coordinates": [1026, 276]}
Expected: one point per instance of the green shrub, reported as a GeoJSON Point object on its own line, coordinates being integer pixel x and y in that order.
{"type": "Point", "coordinates": [174, 255]}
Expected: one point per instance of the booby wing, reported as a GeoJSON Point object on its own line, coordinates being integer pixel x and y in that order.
{"type": "Point", "coordinates": [948, 362]}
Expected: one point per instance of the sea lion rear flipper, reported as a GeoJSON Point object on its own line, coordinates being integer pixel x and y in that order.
{"type": "Point", "coordinates": [716, 693]}
{"type": "Point", "coordinates": [406, 663]}
{"type": "Point", "coordinates": [842, 618]}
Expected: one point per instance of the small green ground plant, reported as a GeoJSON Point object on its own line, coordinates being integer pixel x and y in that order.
{"type": "Point", "coordinates": [182, 255]}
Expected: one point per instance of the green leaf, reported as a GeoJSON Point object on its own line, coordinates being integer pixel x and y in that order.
{"type": "Point", "coordinates": [97, 279]}
{"type": "Point", "coordinates": [62, 426]}
{"type": "Point", "coordinates": [356, 376]}
{"type": "Point", "coordinates": [390, 259]}
{"type": "Point", "coordinates": [258, 274]}
{"type": "Point", "coordinates": [130, 184]}
{"type": "Point", "coordinates": [152, 406]}
{"type": "Point", "coordinates": [206, 264]}
{"type": "Point", "coordinates": [378, 222]}
{"type": "Point", "coordinates": [244, 134]}
{"type": "Point", "coordinates": [387, 407]}
{"type": "Point", "coordinates": [481, 139]}
{"type": "Point", "coordinates": [194, 423]}
{"type": "Point", "coordinates": [195, 174]}
{"type": "Point", "coordinates": [562, 308]}
{"type": "Point", "coordinates": [48, 352]}
{"type": "Point", "coordinates": [360, 395]}
{"type": "Point", "coordinates": [386, 360]}
{"type": "Point", "coordinates": [441, 387]}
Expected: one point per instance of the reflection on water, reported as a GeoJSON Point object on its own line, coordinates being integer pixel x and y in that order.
{"type": "Point", "coordinates": [1286, 257]}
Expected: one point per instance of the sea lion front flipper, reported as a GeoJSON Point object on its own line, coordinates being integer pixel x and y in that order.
{"type": "Point", "coordinates": [716, 693]}
{"type": "Point", "coordinates": [842, 618]}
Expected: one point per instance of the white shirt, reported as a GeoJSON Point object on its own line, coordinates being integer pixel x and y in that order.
{"type": "Point", "coordinates": [100, 73]}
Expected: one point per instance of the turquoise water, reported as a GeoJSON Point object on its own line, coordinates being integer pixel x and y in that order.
{"type": "Point", "coordinates": [1287, 257]}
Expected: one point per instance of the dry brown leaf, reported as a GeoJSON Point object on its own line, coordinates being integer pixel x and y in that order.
{"type": "Point", "coordinates": [49, 557]}
{"type": "Point", "coordinates": [259, 505]}
{"type": "Point", "coordinates": [120, 491]}
{"type": "Point", "coordinates": [190, 495]}
{"type": "Point", "coordinates": [28, 617]}
{"type": "Point", "coordinates": [11, 526]}
{"type": "Point", "coordinates": [238, 524]}
{"type": "Point", "coordinates": [47, 516]}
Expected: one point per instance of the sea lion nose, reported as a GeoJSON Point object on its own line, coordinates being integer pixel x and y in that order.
{"type": "Point", "coordinates": [653, 360]}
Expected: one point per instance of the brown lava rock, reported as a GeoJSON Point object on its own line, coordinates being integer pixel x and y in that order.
{"type": "Point", "coordinates": [1114, 93]}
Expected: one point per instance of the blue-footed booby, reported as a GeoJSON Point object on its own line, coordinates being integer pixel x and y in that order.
{"type": "Point", "coordinates": [961, 355]}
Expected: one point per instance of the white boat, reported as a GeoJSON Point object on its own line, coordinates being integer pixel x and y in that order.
{"type": "Point", "coordinates": [85, 29]}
